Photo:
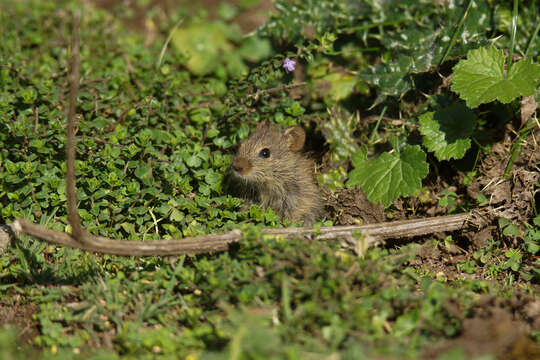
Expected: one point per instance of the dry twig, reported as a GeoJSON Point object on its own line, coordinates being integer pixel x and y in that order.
{"type": "Point", "coordinates": [73, 214]}
{"type": "Point", "coordinates": [258, 93]}
{"type": "Point", "coordinates": [372, 233]}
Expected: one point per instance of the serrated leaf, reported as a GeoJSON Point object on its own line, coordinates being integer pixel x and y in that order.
{"type": "Point", "coordinates": [391, 79]}
{"type": "Point", "coordinates": [390, 176]}
{"type": "Point", "coordinates": [446, 132]}
{"type": "Point", "coordinates": [481, 77]}
{"type": "Point", "coordinates": [338, 131]}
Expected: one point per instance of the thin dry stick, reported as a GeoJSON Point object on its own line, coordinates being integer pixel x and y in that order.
{"type": "Point", "coordinates": [221, 242]}
{"type": "Point", "coordinates": [190, 245]}
{"type": "Point", "coordinates": [258, 93]}
{"type": "Point", "coordinates": [36, 118]}
{"type": "Point", "coordinates": [73, 214]}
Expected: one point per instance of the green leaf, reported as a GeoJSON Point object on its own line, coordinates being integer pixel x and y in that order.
{"type": "Point", "coordinates": [212, 177]}
{"type": "Point", "coordinates": [390, 79]}
{"type": "Point", "coordinates": [227, 11]}
{"type": "Point", "coordinates": [193, 161]}
{"type": "Point", "coordinates": [295, 109]}
{"type": "Point", "coordinates": [200, 116]}
{"type": "Point", "coordinates": [339, 133]}
{"type": "Point", "coordinates": [255, 49]}
{"type": "Point", "coordinates": [177, 215]}
{"type": "Point", "coordinates": [481, 77]}
{"type": "Point", "coordinates": [390, 176]}
{"type": "Point", "coordinates": [336, 86]}
{"type": "Point", "coordinates": [204, 43]}
{"type": "Point", "coordinates": [235, 65]}
{"type": "Point", "coordinates": [446, 132]}
{"type": "Point", "coordinates": [28, 96]}
{"type": "Point", "coordinates": [128, 227]}
{"type": "Point", "coordinates": [143, 171]}
{"type": "Point", "coordinates": [11, 167]}
{"type": "Point", "coordinates": [405, 324]}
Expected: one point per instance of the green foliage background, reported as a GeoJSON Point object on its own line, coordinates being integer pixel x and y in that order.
{"type": "Point", "coordinates": [155, 140]}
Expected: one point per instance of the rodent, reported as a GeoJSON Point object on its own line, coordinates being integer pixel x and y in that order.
{"type": "Point", "coordinates": [270, 168]}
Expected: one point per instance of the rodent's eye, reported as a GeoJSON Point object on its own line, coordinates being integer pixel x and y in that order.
{"type": "Point", "coordinates": [265, 153]}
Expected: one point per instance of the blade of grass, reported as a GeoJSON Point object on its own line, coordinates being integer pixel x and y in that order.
{"type": "Point", "coordinates": [515, 148]}
{"type": "Point", "coordinates": [376, 24]}
{"type": "Point", "coordinates": [457, 30]}
{"type": "Point", "coordinates": [532, 39]}
{"type": "Point", "coordinates": [286, 298]}
{"type": "Point", "coordinates": [513, 30]}
{"type": "Point", "coordinates": [374, 132]}
{"type": "Point", "coordinates": [166, 44]}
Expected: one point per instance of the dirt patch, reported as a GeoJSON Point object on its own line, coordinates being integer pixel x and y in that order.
{"type": "Point", "coordinates": [438, 259]}
{"type": "Point", "coordinates": [498, 328]}
{"type": "Point", "coordinates": [251, 19]}
{"type": "Point", "coordinates": [351, 207]}
{"type": "Point", "coordinates": [247, 19]}
{"type": "Point", "coordinates": [21, 316]}
{"type": "Point", "coordinates": [479, 240]}
{"type": "Point", "coordinates": [511, 196]}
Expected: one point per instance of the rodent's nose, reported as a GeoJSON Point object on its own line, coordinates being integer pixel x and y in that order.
{"type": "Point", "coordinates": [241, 165]}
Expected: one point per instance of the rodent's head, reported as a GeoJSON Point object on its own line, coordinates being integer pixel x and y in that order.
{"type": "Point", "coordinates": [268, 152]}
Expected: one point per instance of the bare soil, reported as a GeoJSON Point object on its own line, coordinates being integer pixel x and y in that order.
{"type": "Point", "coordinates": [22, 318]}
{"type": "Point", "coordinates": [498, 327]}
{"type": "Point", "coordinates": [248, 19]}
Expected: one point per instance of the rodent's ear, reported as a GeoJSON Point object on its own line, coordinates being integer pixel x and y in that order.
{"type": "Point", "coordinates": [296, 137]}
{"type": "Point", "coordinates": [262, 124]}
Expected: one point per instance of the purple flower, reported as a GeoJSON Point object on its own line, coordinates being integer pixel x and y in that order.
{"type": "Point", "coordinates": [289, 64]}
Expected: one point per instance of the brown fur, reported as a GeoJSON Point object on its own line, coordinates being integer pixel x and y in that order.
{"type": "Point", "coordinates": [283, 181]}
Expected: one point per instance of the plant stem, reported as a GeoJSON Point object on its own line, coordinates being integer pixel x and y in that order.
{"type": "Point", "coordinates": [457, 30]}
{"type": "Point", "coordinates": [512, 37]}
{"type": "Point", "coordinates": [372, 138]}
{"type": "Point", "coordinates": [532, 39]}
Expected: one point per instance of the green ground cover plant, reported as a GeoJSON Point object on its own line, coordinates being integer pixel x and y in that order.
{"type": "Point", "coordinates": [411, 101]}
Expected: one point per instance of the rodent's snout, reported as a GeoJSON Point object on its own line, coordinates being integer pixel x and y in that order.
{"type": "Point", "coordinates": [241, 165]}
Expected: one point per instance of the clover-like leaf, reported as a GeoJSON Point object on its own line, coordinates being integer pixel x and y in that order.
{"type": "Point", "coordinates": [390, 176]}
{"type": "Point", "coordinates": [446, 132]}
{"type": "Point", "coordinates": [481, 78]}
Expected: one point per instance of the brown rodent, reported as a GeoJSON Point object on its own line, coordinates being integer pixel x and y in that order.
{"type": "Point", "coordinates": [270, 169]}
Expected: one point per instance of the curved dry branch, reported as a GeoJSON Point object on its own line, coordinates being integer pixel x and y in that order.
{"type": "Point", "coordinates": [191, 245]}
{"type": "Point", "coordinates": [372, 233]}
